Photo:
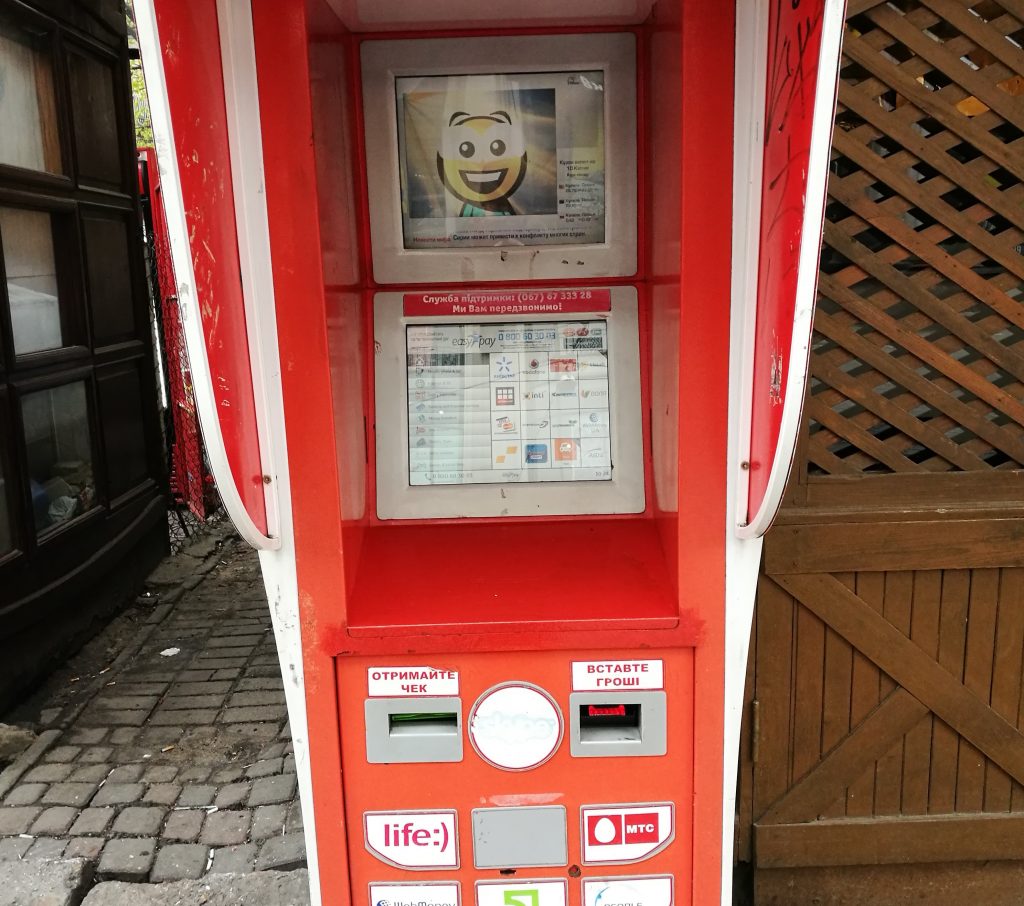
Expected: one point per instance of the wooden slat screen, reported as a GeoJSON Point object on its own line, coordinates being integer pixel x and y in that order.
{"type": "Point", "coordinates": [918, 359]}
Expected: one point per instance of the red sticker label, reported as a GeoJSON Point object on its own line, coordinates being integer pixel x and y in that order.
{"type": "Point", "coordinates": [622, 834]}
{"type": "Point", "coordinates": [506, 302]}
{"type": "Point", "coordinates": [611, 830]}
{"type": "Point", "coordinates": [604, 830]}
{"type": "Point", "coordinates": [642, 828]}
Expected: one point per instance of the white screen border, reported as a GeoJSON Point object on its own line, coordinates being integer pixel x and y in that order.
{"type": "Point", "coordinates": [384, 61]}
{"type": "Point", "coordinates": [396, 499]}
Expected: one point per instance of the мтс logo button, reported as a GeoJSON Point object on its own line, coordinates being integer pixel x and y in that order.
{"type": "Point", "coordinates": [626, 833]}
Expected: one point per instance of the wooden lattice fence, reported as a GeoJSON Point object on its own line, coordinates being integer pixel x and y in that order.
{"type": "Point", "coordinates": [918, 361]}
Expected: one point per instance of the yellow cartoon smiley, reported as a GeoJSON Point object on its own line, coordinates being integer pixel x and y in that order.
{"type": "Point", "coordinates": [482, 161]}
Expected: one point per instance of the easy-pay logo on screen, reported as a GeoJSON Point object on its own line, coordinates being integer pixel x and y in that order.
{"type": "Point", "coordinates": [413, 839]}
{"type": "Point", "coordinates": [625, 833]}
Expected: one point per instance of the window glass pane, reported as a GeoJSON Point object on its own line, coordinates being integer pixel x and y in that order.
{"type": "Point", "coordinates": [6, 535]}
{"type": "Point", "coordinates": [26, 238]}
{"type": "Point", "coordinates": [28, 111]}
{"type": "Point", "coordinates": [59, 451]}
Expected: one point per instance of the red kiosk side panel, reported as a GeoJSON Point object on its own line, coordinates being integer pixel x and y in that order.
{"type": "Point", "coordinates": [708, 30]}
{"type": "Point", "coordinates": [293, 84]}
{"type": "Point", "coordinates": [191, 55]}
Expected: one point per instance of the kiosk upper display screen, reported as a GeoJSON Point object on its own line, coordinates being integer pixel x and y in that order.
{"type": "Point", "coordinates": [497, 403]}
{"type": "Point", "coordinates": [502, 159]}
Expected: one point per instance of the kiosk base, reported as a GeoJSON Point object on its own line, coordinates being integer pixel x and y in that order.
{"type": "Point", "coordinates": [572, 774]}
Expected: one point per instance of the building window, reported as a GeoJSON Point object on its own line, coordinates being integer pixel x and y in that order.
{"type": "Point", "coordinates": [26, 240]}
{"type": "Point", "coordinates": [74, 340]}
{"type": "Point", "coordinates": [29, 136]}
{"type": "Point", "coordinates": [58, 444]}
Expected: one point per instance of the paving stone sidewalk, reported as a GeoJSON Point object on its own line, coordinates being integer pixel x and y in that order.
{"type": "Point", "coordinates": [181, 766]}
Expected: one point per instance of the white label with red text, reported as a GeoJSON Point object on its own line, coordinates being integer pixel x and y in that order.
{"type": "Point", "coordinates": [650, 891]}
{"type": "Point", "coordinates": [603, 676]}
{"type": "Point", "coordinates": [625, 833]}
{"type": "Point", "coordinates": [523, 893]}
{"type": "Point", "coordinates": [413, 839]}
{"type": "Point", "coordinates": [397, 682]}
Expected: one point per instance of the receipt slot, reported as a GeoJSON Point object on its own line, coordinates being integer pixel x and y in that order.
{"type": "Point", "coordinates": [419, 730]}
{"type": "Point", "coordinates": [498, 328]}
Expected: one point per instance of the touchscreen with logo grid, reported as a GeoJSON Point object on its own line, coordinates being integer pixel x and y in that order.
{"type": "Point", "coordinates": [496, 403]}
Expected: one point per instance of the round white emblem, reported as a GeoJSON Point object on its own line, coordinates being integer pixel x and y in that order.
{"type": "Point", "coordinates": [515, 726]}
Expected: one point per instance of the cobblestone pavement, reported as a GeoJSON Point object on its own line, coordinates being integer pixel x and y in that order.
{"type": "Point", "coordinates": [181, 765]}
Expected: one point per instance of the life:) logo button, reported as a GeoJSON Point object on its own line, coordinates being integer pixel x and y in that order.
{"type": "Point", "coordinates": [620, 834]}
{"type": "Point", "coordinates": [423, 840]}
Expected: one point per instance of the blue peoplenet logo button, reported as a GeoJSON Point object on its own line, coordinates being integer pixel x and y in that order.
{"type": "Point", "coordinates": [536, 453]}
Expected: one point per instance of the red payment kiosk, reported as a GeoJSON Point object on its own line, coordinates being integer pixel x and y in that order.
{"type": "Point", "coordinates": [499, 321]}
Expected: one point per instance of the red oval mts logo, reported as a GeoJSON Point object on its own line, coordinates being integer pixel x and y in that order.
{"type": "Point", "coordinates": [612, 830]}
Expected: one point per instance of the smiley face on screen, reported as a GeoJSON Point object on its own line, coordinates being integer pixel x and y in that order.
{"type": "Point", "coordinates": [482, 161]}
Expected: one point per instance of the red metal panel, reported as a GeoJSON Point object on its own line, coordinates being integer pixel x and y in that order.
{"type": "Point", "coordinates": [192, 64]}
{"type": "Point", "coordinates": [563, 780]}
{"type": "Point", "coordinates": [794, 45]}
{"type": "Point", "coordinates": [299, 47]}
{"type": "Point", "coordinates": [708, 28]}
{"type": "Point", "coordinates": [189, 476]}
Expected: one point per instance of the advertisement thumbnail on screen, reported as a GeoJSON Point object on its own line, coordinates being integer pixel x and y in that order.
{"type": "Point", "coordinates": [502, 159]}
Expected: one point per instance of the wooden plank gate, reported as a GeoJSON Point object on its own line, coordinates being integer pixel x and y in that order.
{"type": "Point", "coordinates": [884, 756]}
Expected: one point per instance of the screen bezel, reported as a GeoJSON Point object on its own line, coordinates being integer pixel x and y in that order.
{"type": "Point", "coordinates": [385, 61]}
{"type": "Point", "coordinates": [397, 499]}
